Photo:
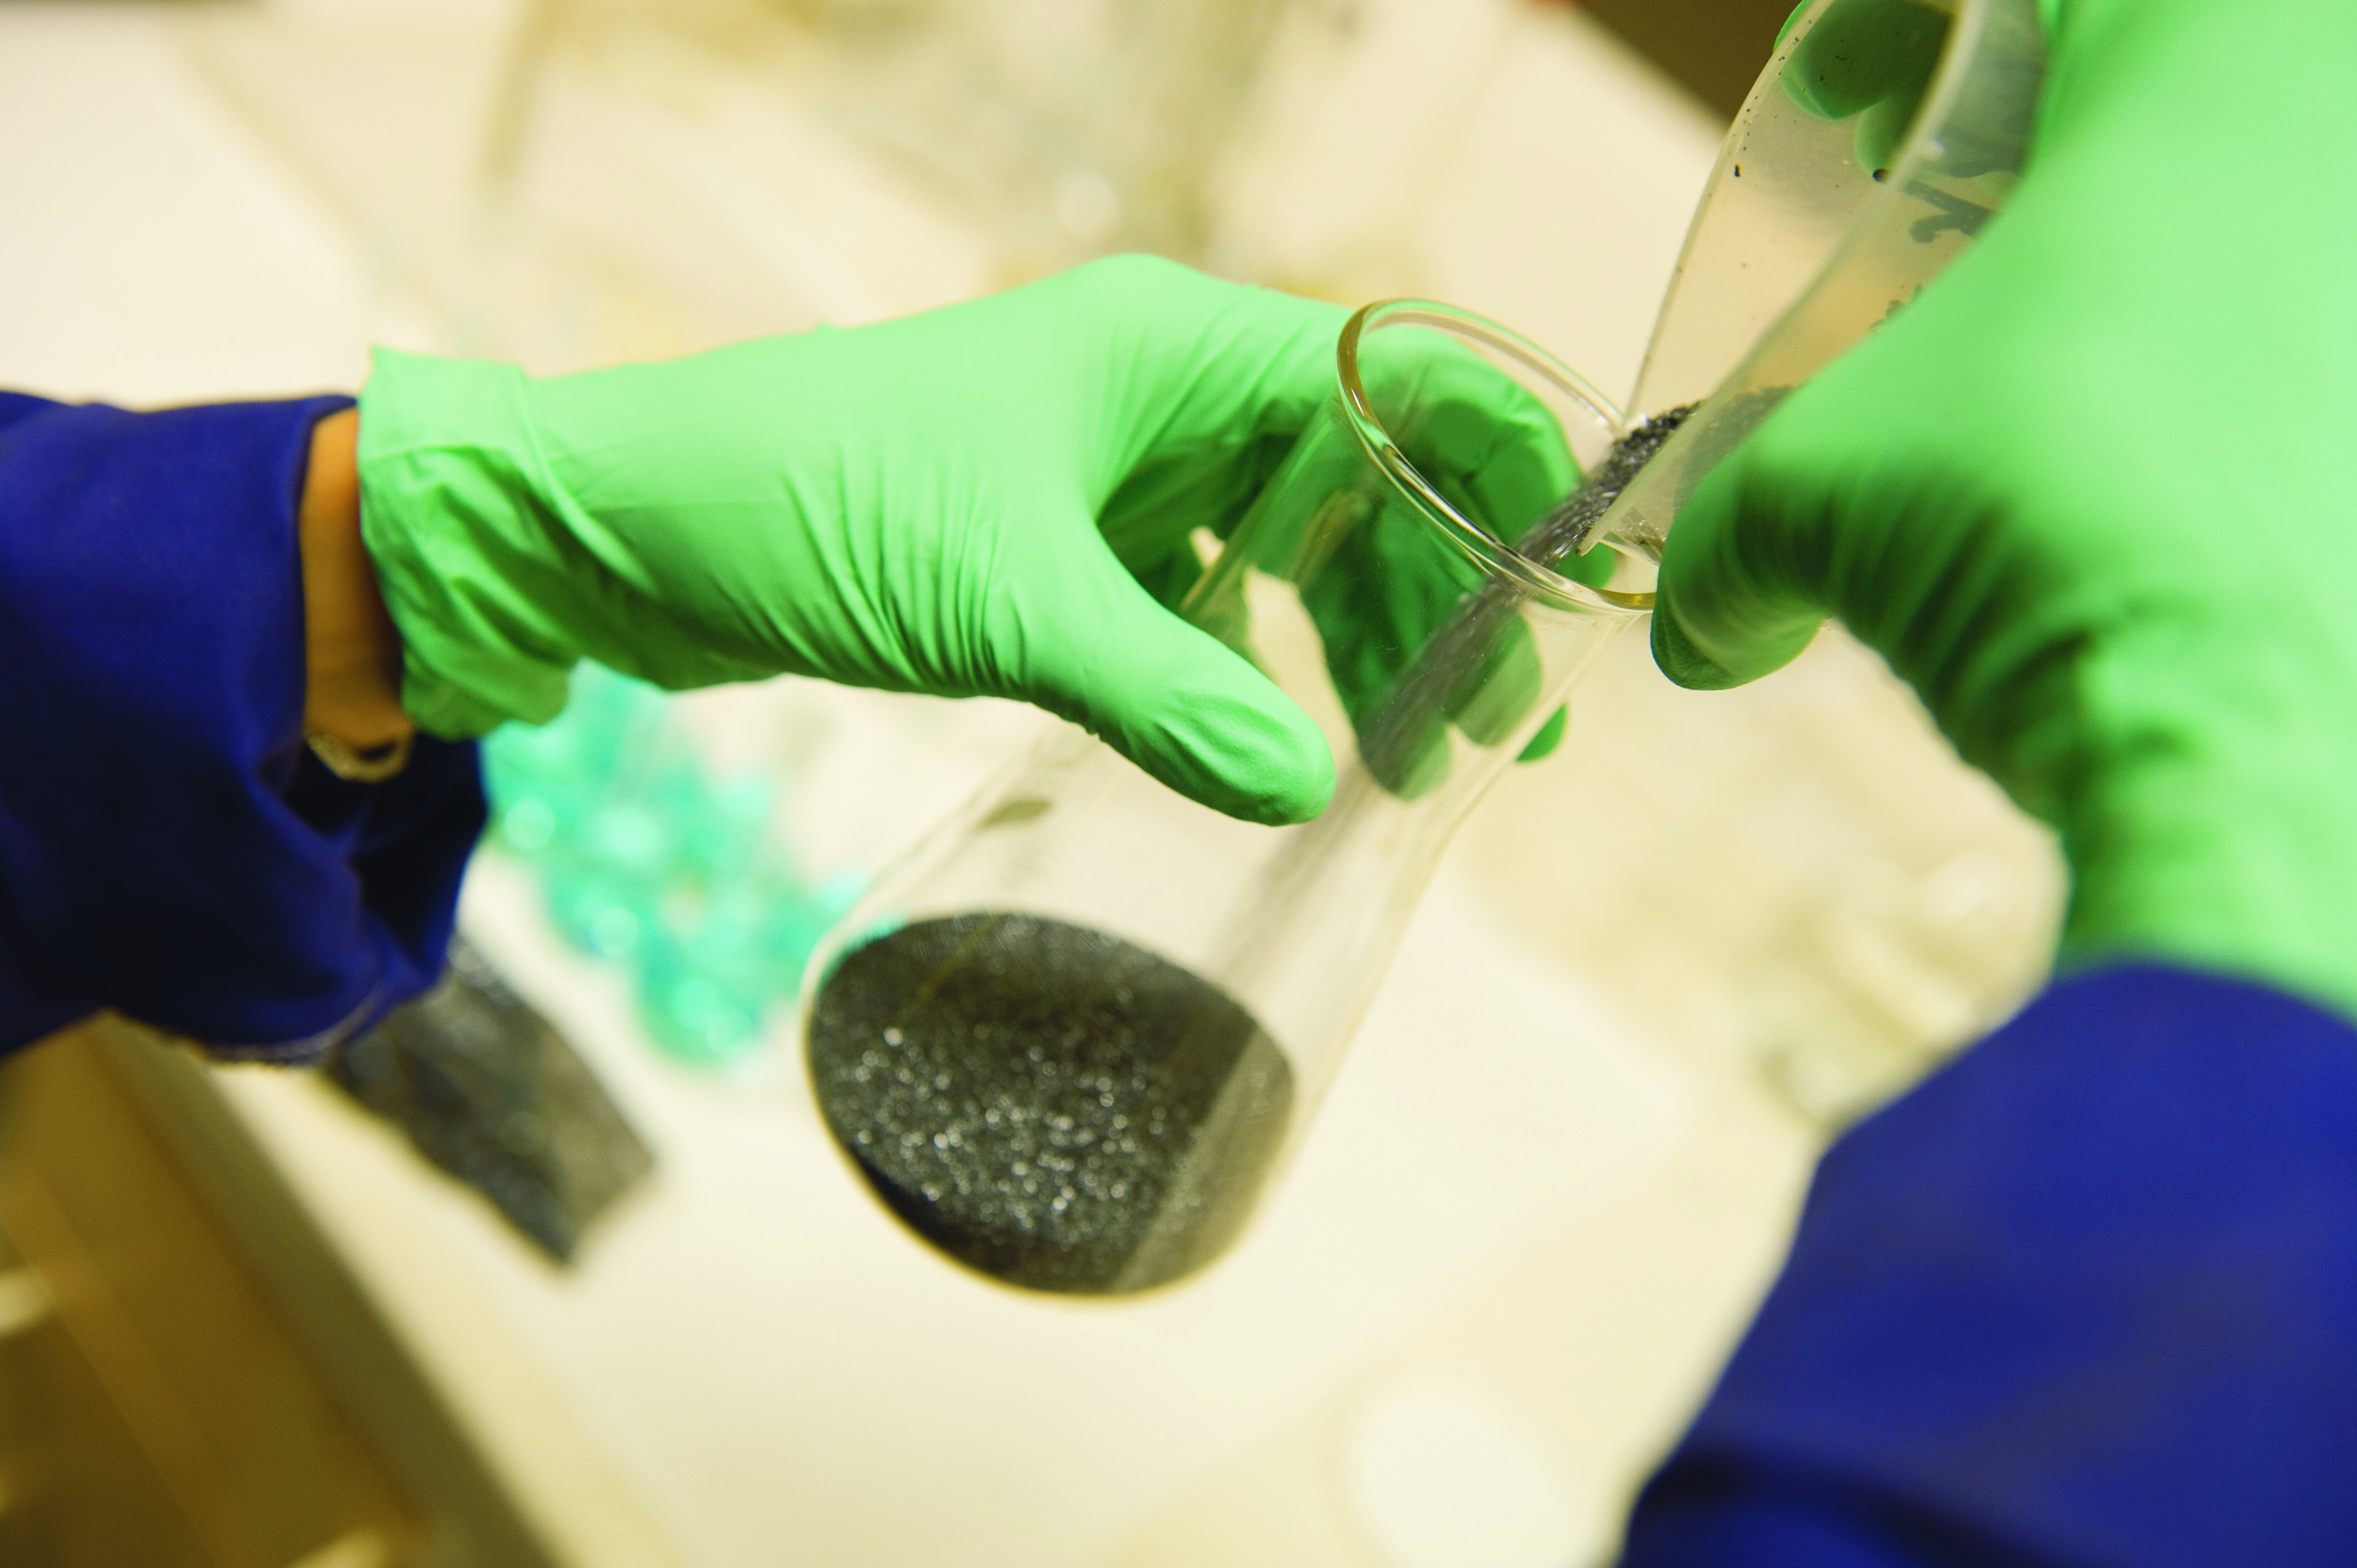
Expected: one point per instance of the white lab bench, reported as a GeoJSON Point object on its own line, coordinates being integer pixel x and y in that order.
{"type": "Point", "coordinates": [1535, 1210]}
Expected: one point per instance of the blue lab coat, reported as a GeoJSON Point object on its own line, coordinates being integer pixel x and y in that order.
{"type": "Point", "coordinates": [2087, 1297]}
{"type": "Point", "coordinates": [168, 845]}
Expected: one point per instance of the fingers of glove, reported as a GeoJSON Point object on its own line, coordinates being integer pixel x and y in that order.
{"type": "Point", "coordinates": [1543, 744]}
{"type": "Point", "coordinates": [1864, 53]}
{"type": "Point", "coordinates": [1498, 455]}
{"type": "Point", "coordinates": [1877, 493]}
{"type": "Point", "coordinates": [1166, 328]}
{"type": "Point", "coordinates": [1206, 384]}
{"type": "Point", "coordinates": [1389, 585]}
{"type": "Point", "coordinates": [1494, 701]}
{"type": "Point", "coordinates": [1410, 760]}
{"type": "Point", "coordinates": [1491, 448]}
{"type": "Point", "coordinates": [1480, 674]}
{"type": "Point", "coordinates": [1086, 643]}
{"type": "Point", "coordinates": [1152, 517]}
{"type": "Point", "coordinates": [1415, 648]}
{"type": "Point", "coordinates": [1384, 589]}
{"type": "Point", "coordinates": [1744, 581]}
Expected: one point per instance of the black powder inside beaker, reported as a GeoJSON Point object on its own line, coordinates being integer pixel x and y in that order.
{"type": "Point", "coordinates": [1046, 1102]}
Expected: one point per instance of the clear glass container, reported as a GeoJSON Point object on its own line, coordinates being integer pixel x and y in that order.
{"type": "Point", "coordinates": [1069, 128]}
{"type": "Point", "coordinates": [1913, 916]}
{"type": "Point", "coordinates": [1823, 218]}
{"type": "Point", "coordinates": [1070, 1037]}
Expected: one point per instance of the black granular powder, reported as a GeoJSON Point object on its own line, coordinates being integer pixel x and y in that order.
{"type": "Point", "coordinates": [1556, 537]}
{"type": "Point", "coordinates": [1396, 735]}
{"type": "Point", "coordinates": [1046, 1102]}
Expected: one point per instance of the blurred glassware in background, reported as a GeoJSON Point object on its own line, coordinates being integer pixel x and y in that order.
{"type": "Point", "coordinates": [653, 861]}
{"type": "Point", "coordinates": [1362, 121]}
{"type": "Point", "coordinates": [1799, 882]}
{"type": "Point", "coordinates": [938, 147]}
{"type": "Point", "coordinates": [1870, 984]}
{"type": "Point", "coordinates": [1068, 128]}
{"type": "Point", "coordinates": [569, 182]}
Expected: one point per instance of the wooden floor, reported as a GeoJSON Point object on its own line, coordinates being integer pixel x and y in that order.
{"type": "Point", "coordinates": [155, 1408]}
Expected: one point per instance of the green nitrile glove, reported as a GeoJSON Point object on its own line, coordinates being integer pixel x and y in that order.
{"type": "Point", "coordinates": [2091, 494]}
{"type": "Point", "coordinates": [962, 502]}
{"type": "Point", "coordinates": [910, 506]}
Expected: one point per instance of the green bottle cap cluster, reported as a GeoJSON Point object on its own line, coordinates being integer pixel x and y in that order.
{"type": "Point", "coordinates": [651, 861]}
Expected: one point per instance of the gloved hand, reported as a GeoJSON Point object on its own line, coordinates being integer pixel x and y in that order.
{"type": "Point", "coordinates": [1392, 583]}
{"type": "Point", "coordinates": [1871, 61]}
{"type": "Point", "coordinates": [2090, 494]}
{"type": "Point", "coordinates": [982, 499]}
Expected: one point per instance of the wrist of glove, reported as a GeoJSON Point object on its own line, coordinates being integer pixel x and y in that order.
{"type": "Point", "coordinates": [500, 576]}
{"type": "Point", "coordinates": [2085, 494]}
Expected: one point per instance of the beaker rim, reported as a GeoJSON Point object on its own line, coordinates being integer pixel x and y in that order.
{"type": "Point", "coordinates": [1499, 557]}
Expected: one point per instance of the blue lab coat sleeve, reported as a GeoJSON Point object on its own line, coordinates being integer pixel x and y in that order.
{"type": "Point", "coordinates": [168, 845]}
{"type": "Point", "coordinates": [2086, 1298]}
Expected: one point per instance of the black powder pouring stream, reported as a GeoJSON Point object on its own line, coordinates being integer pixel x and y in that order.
{"type": "Point", "coordinates": [1451, 664]}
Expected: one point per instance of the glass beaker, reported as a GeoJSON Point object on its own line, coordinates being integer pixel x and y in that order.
{"type": "Point", "coordinates": [1071, 1037]}
{"type": "Point", "coordinates": [1830, 210]}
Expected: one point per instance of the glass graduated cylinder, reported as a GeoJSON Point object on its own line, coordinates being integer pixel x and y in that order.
{"type": "Point", "coordinates": [1069, 1040]}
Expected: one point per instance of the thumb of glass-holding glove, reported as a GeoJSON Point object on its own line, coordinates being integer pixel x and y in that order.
{"type": "Point", "coordinates": [2088, 493]}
